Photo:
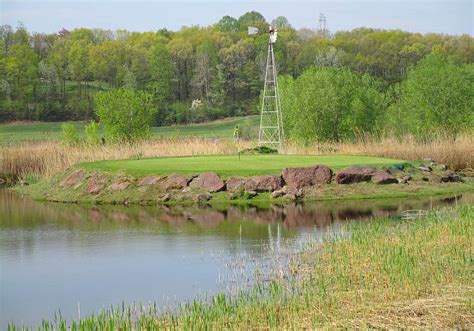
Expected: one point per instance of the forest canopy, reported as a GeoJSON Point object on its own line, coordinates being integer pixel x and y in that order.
{"type": "Point", "coordinates": [359, 81]}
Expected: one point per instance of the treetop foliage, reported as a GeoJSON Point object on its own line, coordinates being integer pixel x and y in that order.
{"type": "Point", "coordinates": [57, 76]}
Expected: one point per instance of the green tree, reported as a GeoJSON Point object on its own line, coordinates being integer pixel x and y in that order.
{"type": "Point", "coordinates": [161, 73]}
{"type": "Point", "coordinates": [227, 24]}
{"type": "Point", "coordinates": [330, 105]}
{"type": "Point", "coordinates": [182, 55]}
{"type": "Point", "coordinates": [281, 23]}
{"type": "Point", "coordinates": [125, 114]}
{"type": "Point", "coordinates": [437, 97]}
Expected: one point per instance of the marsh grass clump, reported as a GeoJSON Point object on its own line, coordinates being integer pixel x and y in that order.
{"type": "Point", "coordinates": [387, 273]}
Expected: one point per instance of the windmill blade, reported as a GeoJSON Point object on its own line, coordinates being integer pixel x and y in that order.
{"type": "Point", "coordinates": [252, 30]}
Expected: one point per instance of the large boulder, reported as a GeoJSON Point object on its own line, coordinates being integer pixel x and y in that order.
{"type": "Point", "coordinates": [263, 183]}
{"type": "Point", "coordinates": [119, 186]}
{"type": "Point", "coordinates": [354, 174]}
{"type": "Point", "coordinates": [382, 177]}
{"type": "Point", "coordinates": [96, 183]}
{"type": "Point", "coordinates": [148, 180]}
{"type": "Point", "coordinates": [451, 177]}
{"type": "Point", "coordinates": [302, 177]}
{"type": "Point", "coordinates": [73, 179]}
{"type": "Point", "coordinates": [235, 184]}
{"type": "Point", "coordinates": [209, 181]}
{"type": "Point", "coordinates": [173, 182]}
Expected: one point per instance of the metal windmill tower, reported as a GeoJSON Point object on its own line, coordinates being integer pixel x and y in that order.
{"type": "Point", "coordinates": [271, 122]}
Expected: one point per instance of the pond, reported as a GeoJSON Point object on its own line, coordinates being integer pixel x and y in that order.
{"type": "Point", "coordinates": [77, 259]}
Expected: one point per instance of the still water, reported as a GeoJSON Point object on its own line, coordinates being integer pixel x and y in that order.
{"type": "Point", "coordinates": [75, 258]}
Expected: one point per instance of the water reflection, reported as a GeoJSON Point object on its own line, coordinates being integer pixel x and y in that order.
{"type": "Point", "coordinates": [53, 256]}
{"type": "Point", "coordinates": [18, 212]}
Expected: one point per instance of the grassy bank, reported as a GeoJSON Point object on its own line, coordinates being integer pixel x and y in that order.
{"type": "Point", "coordinates": [51, 189]}
{"type": "Point", "coordinates": [386, 273]}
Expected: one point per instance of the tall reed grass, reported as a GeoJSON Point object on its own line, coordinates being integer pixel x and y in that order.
{"type": "Point", "coordinates": [47, 158]}
{"type": "Point", "coordinates": [456, 154]}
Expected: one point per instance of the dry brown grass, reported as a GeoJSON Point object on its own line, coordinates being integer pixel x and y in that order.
{"type": "Point", "coordinates": [47, 158]}
{"type": "Point", "coordinates": [456, 155]}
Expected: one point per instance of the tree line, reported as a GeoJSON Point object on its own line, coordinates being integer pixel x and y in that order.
{"type": "Point", "coordinates": [219, 68]}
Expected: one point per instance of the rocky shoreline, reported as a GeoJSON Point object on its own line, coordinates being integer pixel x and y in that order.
{"type": "Point", "coordinates": [293, 184]}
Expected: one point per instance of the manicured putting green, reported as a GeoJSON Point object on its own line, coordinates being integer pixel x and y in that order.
{"type": "Point", "coordinates": [228, 165]}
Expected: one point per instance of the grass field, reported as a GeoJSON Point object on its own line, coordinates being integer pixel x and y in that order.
{"type": "Point", "coordinates": [227, 165]}
{"type": "Point", "coordinates": [18, 132]}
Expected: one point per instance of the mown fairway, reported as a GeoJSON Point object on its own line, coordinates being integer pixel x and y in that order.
{"type": "Point", "coordinates": [52, 130]}
{"type": "Point", "coordinates": [227, 165]}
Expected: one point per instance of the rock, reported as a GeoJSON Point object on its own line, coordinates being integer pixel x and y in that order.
{"type": "Point", "coordinates": [232, 196]}
{"type": "Point", "coordinates": [451, 177]}
{"type": "Point", "coordinates": [96, 183]}
{"type": "Point", "coordinates": [263, 183]}
{"type": "Point", "coordinates": [119, 186]}
{"type": "Point", "coordinates": [204, 197]}
{"type": "Point", "coordinates": [165, 198]}
{"type": "Point", "coordinates": [299, 193]}
{"type": "Point", "coordinates": [279, 193]}
{"type": "Point", "coordinates": [235, 184]}
{"type": "Point", "coordinates": [309, 176]}
{"type": "Point", "coordinates": [251, 194]}
{"type": "Point", "coordinates": [187, 189]}
{"type": "Point", "coordinates": [404, 179]}
{"type": "Point", "coordinates": [148, 180]}
{"type": "Point", "coordinates": [424, 167]}
{"type": "Point", "coordinates": [382, 177]}
{"type": "Point", "coordinates": [209, 181]}
{"type": "Point", "coordinates": [173, 182]}
{"type": "Point", "coordinates": [290, 196]}
{"type": "Point", "coordinates": [95, 188]}
{"type": "Point", "coordinates": [443, 167]}
{"type": "Point", "coordinates": [354, 175]}
{"type": "Point", "coordinates": [23, 183]}
{"type": "Point", "coordinates": [73, 179]}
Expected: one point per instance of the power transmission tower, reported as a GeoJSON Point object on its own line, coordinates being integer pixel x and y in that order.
{"type": "Point", "coordinates": [271, 122]}
{"type": "Point", "coordinates": [322, 23]}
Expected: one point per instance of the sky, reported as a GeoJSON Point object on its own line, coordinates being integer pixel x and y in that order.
{"type": "Point", "coordinates": [451, 17]}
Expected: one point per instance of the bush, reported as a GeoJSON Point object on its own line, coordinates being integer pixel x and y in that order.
{"type": "Point", "coordinates": [330, 105]}
{"type": "Point", "coordinates": [436, 98]}
{"type": "Point", "coordinates": [69, 136]}
{"type": "Point", "coordinates": [126, 114]}
{"type": "Point", "coordinates": [92, 137]}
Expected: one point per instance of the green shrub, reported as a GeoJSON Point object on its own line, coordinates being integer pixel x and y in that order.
{"type": "Point", "coordinates": [327, 104]}
{"type": "Point", "coordinates": [126, 114]}
{"type": "Point", "coordinates": [436, 98]}
{"type": "Point", "coordinates": [69, 136]}
{"type": "Point", "coordinates": [92, 137]}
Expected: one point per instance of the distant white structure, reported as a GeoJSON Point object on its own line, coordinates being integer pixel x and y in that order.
{"type": "Point", "coordinates": [322, 23]}
{"type": "Point", "coordinates": [273, 34]}
{"type": "Point", "coordinates": [322, 27]}
{"type": "Point", "coordinates": [252, 30]}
